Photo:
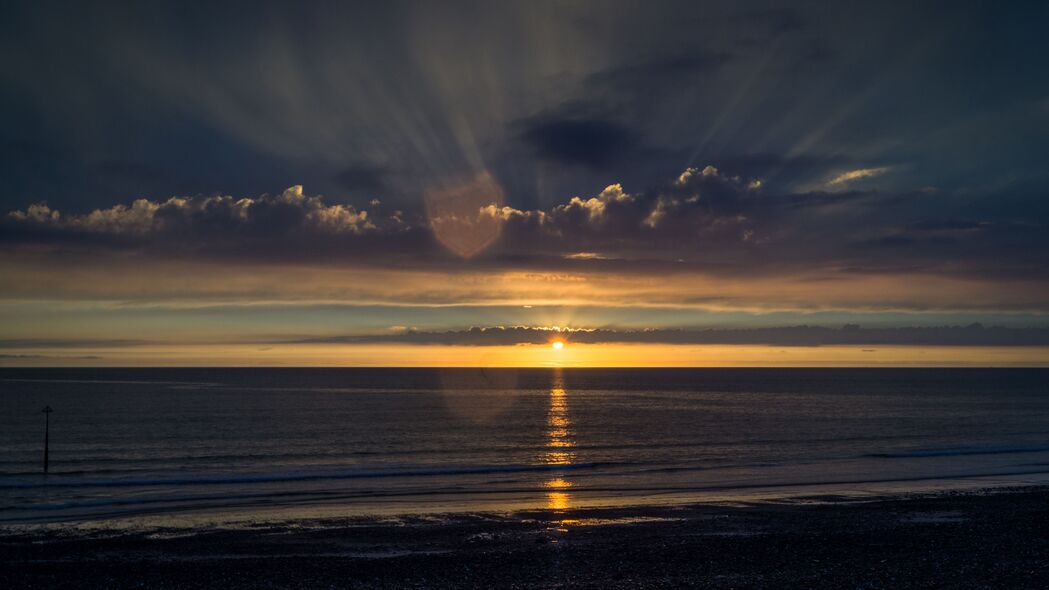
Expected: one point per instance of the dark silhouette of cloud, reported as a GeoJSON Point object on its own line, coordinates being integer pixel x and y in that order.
{"type": "Point", "coordinates": [849, 334]}
{"type": "Point", "coordinates": [364, 178]}
{"type": "Point", "coordinates": [584, 140]}
{"type": "Point", "coordinates": [197, 217]}
{"type": "Point", "coordinates": [704, 220]}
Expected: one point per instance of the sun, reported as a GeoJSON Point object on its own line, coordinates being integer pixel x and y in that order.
{"type": "Point", "coordinates": [557, 344]}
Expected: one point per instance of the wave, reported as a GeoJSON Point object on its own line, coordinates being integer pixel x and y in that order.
{"type": "Point", "coordinates": [624, 494]}
{"type": "Point", "coordinates": [114, 382]}
{"type": "Point", "coordinates": [172, 451]}
{"type": "Point", "coordinates": [961, 451]}
{"type": "Point", "coordinates": [302, 476]}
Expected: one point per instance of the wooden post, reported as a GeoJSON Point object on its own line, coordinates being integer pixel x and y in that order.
{"type": "Point", "coordinates": [47, 432]}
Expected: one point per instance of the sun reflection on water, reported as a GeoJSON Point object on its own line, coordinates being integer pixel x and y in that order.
{"type": "Point", "coordinates": [559, 445]}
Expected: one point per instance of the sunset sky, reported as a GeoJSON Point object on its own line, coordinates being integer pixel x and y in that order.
{"type": "Point", "coordinates": [432, 183]}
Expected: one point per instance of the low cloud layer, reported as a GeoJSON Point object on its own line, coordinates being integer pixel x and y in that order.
{"type": "Point", "coordinates": [850, 334]}
{"type": "Point", "coordinates": [702, 220]}
{"type": "Point", "coordinates": [199, 217]}
{"type": "Point", "coordinates": [798, 335]}
{"type": "Point", "coordinates": [288, 226]}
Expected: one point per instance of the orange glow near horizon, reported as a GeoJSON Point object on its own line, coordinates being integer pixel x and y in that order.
{"type": "Point", "coordinates": [577, 355]}
{"type": "Point", "coordinates": [557, 344]}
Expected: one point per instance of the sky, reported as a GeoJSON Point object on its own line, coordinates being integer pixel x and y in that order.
{"type": "Point", "coordinates": [462, 183]}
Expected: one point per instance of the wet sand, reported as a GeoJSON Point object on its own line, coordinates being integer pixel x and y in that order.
{"type": "Point", "coordinates": [991, 539]}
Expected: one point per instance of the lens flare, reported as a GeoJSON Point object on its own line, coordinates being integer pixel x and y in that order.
{"type": "Point", "coordinates": [466, 218]}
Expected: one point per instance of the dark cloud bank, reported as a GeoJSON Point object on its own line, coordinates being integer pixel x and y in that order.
{"type": "Point", "coordinates": [102, 103]}
{"type": "Point", "coordinates": [704, 219]}
{"type": "Point", "coordinates": [801, 335]}
{"type": "Point", "coordinates": [850, 334]}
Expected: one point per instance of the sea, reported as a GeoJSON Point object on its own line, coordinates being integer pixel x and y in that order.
{"type": "Point", "coordinates": [185, 446]}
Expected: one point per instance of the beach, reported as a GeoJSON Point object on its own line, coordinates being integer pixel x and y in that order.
{"type": "Point", "coordinates": [978, 539]}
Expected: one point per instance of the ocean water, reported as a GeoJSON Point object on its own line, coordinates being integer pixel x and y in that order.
{"type": "Point", "coordinates": [184, 444]}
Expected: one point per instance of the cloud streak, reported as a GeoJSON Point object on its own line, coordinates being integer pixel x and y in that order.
{"type": "Point", "coordinates": [858, 174]}
{"type": "Point", "coordinates": [851, 334]}
{"type": "Point", "coordinates": [797, 335]}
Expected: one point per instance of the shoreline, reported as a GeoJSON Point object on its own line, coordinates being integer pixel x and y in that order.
{"type": "Point", "coordinates": [977, 538]}
{"type": "Point", "coordinates": [224, 512]}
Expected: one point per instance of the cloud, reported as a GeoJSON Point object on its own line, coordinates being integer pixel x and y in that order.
{"type": "Point", "coordinates": [784, 172]}
{"type": "Point", "coordinates": [594, 208]}
{"type": "Point", "coordinates": [702, 220]}
{"type": "Point", "coordinates": [704, 82]}
{"type": "Point", "coordinates": [365, 178]}
{"type": "Point", "coordinates": [130, 175]}
{"type": "Point", "coordinates": [290, 211]}
{"type": "Point", "coordinates": [849, 334]}
{"type": "Point", "coordinates": [559, 102]}
{"type": "Point", "coordinates": [858, 174]}
{"type": "Point", "coordinates": [699, 207]}
{"type": "Point", "coordinates": [640, 76]}
{"type": "Point", "coordinates": [578, 140]}
{"type": "Point", "coordinates": [586, 256]}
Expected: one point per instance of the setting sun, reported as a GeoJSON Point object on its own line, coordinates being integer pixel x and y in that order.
{"type": "Point", "coordinates": [557, 344]}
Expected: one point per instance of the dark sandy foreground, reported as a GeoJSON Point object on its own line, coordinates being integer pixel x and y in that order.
{"type": "Point", "coordinates": [988, 540]}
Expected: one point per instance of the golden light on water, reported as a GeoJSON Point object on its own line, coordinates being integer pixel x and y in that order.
{"type": "Point", "coordinates": [557, 484]}
{"type": "Point", "coordinates": [559, 444]}
{"type": "Point", "coordinates": [558, 501]}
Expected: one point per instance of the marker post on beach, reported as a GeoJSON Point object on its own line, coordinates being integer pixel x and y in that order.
{"type": "Point", "coordinates": [47, 432]}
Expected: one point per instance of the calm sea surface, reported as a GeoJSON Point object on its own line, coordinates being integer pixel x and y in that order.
{"type": "Point", "coordinates": [190, 443]}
